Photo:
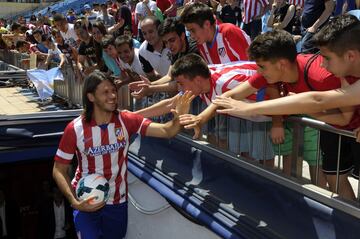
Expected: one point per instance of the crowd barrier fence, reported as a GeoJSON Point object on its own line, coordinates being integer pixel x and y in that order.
{"type": "Point", "coordinates": [70, 90]}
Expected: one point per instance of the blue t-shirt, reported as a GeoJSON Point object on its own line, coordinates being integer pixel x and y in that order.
{"type": "Point", "coordinates": [111, 64]}
{"type": "Point", "coordinates": [355, 13]}
{"type": "Point", "coordinates": [312, 11]}
{"type": "Point", "coordinates": [136, 43]}
{"type": "Point", "coordinates": [42, 48]}
{"type": "Point", "coordinates": [339, 6]}
{"type": "Point", "coordinates": [70, 19]}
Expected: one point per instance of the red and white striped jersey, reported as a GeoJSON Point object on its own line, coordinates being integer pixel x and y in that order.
{"type": "Point", "coordinates": [225, 77]}
{"type": "Point", "coordinates": [297, 2]}
{"type": "Point", "coordinates": [46, 29]}
{"type": "Point", "coordinates": [102, 149]}
{"type": "Point", "coordinates": [230, 44]}
{"type": "Point", "coordinates": [252, 9]}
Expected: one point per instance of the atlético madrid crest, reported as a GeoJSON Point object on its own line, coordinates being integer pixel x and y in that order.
{"type": "Point", "coordinates": [222, 51]}
{"type": "Point", "coordinates": [119, 134]}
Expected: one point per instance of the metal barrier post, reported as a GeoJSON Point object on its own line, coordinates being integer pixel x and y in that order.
{"type": "Point", "coordinates": [358, 194]}
{"type": "Point", "coordinates": [251, 146]}
{"type": "Point", "coordinates": [338, 166]}
{"type": "Point", "coordinates": [298, 150]}
{"type": "Point", "coordinates": [61, 87]}
{"type": "Point", "coordinates": [233, 134]}
{"type": "Point", "coordinates": [280, 158]}
{"type": "Point", "coordinates": [265, 143]}
{"type": "Point", "coordinates": [317, 158]}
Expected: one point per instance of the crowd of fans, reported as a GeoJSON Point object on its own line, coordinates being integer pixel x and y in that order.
{"type": "Point", "coordinates": [149, 44]}
{"type": "Point", "coordinates": [124, 18]}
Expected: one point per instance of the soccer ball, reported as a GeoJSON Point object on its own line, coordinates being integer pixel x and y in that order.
{"type": "Point", "coordinates": [93, 185]}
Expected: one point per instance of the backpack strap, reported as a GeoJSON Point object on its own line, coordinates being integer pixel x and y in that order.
{"type": "Point", "coordinates": [306, 70]}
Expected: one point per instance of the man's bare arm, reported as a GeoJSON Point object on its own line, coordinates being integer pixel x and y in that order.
{"type": "Point", "coordinates": [329, 7]}
{"type": "Point", "coordinates": [160, 108]}
{"type": "Point", "coordinates": [171, 128]}
{"type": "Point", "coordinates": [302, 103]}
{"type": "Point", "coordinates": [165, 79]}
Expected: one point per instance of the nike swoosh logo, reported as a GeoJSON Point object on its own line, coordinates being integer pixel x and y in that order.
{"type": "Point", "coordinates": [87, 139]}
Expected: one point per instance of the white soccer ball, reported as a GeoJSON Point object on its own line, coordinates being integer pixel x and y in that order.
{"type": "Point", "coordinates": [93, 185]}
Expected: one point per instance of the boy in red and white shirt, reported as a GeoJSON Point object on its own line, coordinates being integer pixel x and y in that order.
{"type": "Point", "coordinates": [217, 43]}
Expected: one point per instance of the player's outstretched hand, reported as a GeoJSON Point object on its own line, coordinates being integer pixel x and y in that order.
{"type": "Point", "coordinates": [183, 103]}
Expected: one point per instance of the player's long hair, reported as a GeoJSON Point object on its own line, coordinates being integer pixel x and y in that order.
{"type": "Point", "coordinates": [90, 85]}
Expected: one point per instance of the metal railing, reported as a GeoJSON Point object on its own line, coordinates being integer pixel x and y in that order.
{"type": "Point", "coordinates": [229, 134]}
{"type": "Point", "coordinates": [70, 89]}
{"type": "Point", "coordinates": [15, 58]}
{"type": "Point", "coordinates": [259, 140]}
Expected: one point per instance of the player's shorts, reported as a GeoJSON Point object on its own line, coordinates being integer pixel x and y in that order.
{"type": "Point", "coordinates": [310, 144]}
{"type": "Point", "coordinates": [349, 154]}
{"type": "Point", "coordinates": [107, 223]}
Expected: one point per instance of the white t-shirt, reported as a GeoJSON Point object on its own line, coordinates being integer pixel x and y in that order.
{"type": "Point", "coordinates": [153, 60]}
{"type": "Point", "coordinates": [55, 54]}
{"type": "Point", "coordinates": [135, 65]}
{"type": "Point", "coordinates": [92, 18]}
{"type": "Point", "coordinates": [141, 10]}
{"type": "Point", "coordinates": [70, 36]}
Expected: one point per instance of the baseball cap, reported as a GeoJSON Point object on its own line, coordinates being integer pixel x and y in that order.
{"type": "Point", "coordinates": [87, 7]}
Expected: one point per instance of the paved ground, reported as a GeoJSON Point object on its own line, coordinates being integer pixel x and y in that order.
{"type": "Point", "coordinates": [17, 100]}
{"type": "Point", "coordinates": [14, 100]}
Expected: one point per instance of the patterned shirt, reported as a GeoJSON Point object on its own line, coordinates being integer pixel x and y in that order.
{"type": "Point", "coordinates": [225, 77]}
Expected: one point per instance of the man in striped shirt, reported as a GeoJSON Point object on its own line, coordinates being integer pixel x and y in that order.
{"type": "Point", "coordinates": [100, 140]}
{"type": "Point", "coordinates": [253, 11]}
{"type": "Point", "coordinates": [192, 74]}
{"type": "Point", "coordinates": [217, 43]}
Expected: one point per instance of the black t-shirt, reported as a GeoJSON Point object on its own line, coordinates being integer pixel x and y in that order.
{"type": "Point", "coordinates": [279, 15]}
{"type": "Point", "coordinates": [231, 15]}
{"type": "Point", "coordinates": [92, 51]}
{"type": "Point", "coordinates": [312, 11]}
{"type": "Point", "coordinates": [191, 47]}
{"type": "Point", "coordinates": [66, 50]}
{"type": "Point", "coordinates": [124, 13]}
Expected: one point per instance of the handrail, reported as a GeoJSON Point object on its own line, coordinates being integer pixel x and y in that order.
{"type": "Point", "coordinates": [70, 89]}
{"type": "Point", "coordinates": [320, 125]}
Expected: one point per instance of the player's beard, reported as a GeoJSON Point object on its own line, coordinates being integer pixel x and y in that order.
{"type": "Point", "coordinates": [105, 107]}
